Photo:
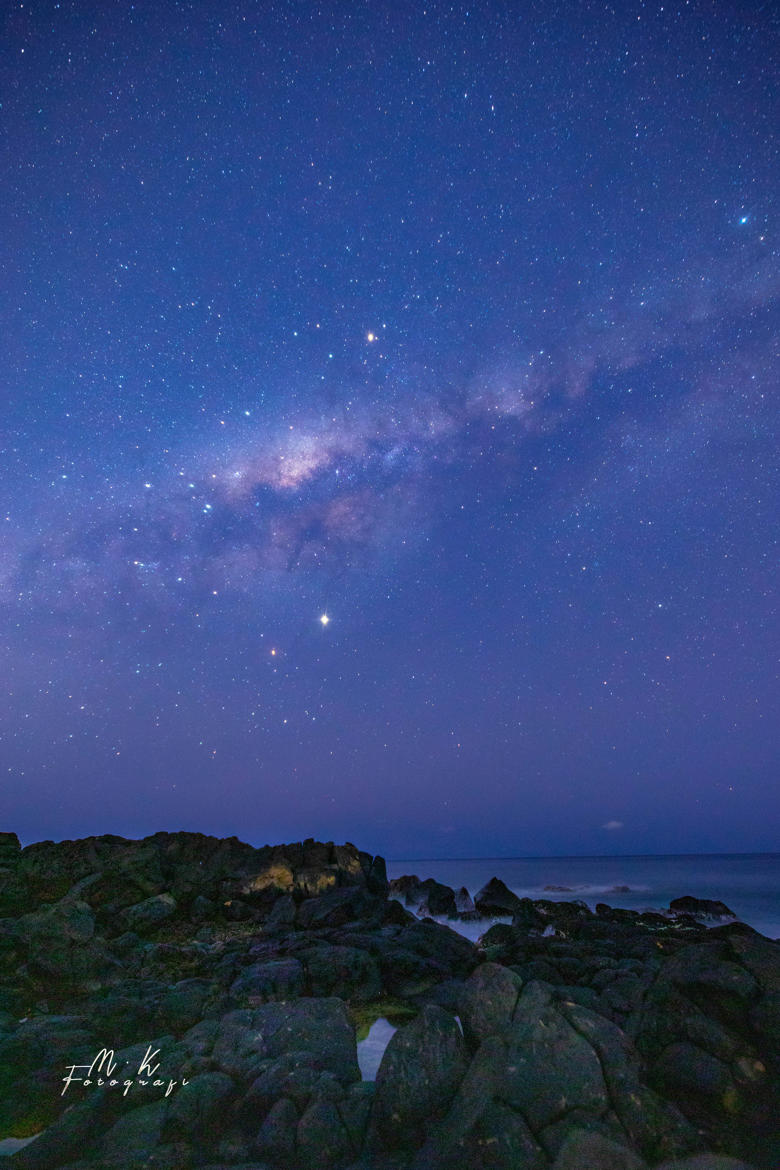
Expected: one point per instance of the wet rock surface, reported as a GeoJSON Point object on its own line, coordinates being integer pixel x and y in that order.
{"type": "Point", "coordinates": [220, 988]}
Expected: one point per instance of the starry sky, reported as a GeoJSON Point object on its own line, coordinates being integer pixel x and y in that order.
{"type": "Point", "coordinates": [387, 423]}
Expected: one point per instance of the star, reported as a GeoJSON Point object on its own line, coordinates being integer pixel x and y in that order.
{"type": "Point", "coordinates": [324, 619]}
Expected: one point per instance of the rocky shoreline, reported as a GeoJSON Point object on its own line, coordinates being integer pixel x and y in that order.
{"type": "Point", "coordinates": [228, 986]}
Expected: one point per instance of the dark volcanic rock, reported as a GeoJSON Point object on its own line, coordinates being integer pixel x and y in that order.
{"type": "Point", "coordinates": [339, 907]}
{"type": "Point", "coordinates": [700, 908]}
{"type": "Point", "coordinates": [406, 889]}
{"type": "Point", "coordinates": [614, 1039]}
{"type": "Point", "coordinates": [438, 899]}
{"type": "Point", "coordinates": [549, 1059]}
{"type": "Point", "coordinates": [495, 899]}
{"type": "Point", "coordinates": [121, 873]}
{"type": "Point", "coordinates": [488, 1000]}
{"type": "Point", "coordinates": [422, 1067]}
{"type": "Point", "coordinates": [464, 903]}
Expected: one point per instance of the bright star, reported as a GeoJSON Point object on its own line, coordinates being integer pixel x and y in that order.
{"type": "Point", "coordinates": [324, 619]}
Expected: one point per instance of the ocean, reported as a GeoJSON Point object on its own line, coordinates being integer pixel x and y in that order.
{"type": "Point", "coordinates": [749, 883]}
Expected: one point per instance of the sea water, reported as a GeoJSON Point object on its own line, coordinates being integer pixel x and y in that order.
{"type": "Point", "coordinates": [748, 883]}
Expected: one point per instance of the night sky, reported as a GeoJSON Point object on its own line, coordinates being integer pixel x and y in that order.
{"type": "Point", "coordinates": [387, 427]}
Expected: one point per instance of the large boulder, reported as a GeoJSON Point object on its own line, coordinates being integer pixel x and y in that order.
{"type": "Point", "coordinates": [422, 1067]}
{"type": "Point", "coordinates": [479, 1129]}
{"type": "Point", "coordinates": [585, 1150]}
{"type": "Point", "coordinates": [702, 908]}
{"type": "Point", "coordinates": [551, 1067]}
{"type": "Point", "coordinates": [496, 899]}
{"type": "Point", "coordinates": [243, 1041]}
{"type": "Point", "coordinates": [339, 907]}
{"type": "Point", "coordinates": [273, 979]}
{"type": "Point", "coordinates": [148, 914]}
{"type": "Point", "coordinates": [705, 1029]}
{"type": "Point", "coordinates": [487, 1002]}
{"type": "Point", "coordinates": [437, 899]}
{"type": "Point", "coordinates": [347, 972]}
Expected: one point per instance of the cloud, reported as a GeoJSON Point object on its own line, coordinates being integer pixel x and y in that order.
{"type": "Point", "coordinates": [612, 826]}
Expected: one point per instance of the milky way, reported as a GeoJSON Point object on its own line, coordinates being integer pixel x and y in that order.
{"type": "Point", "coordinates": [351, 486]}
{"type": "Point", "coordinates": [457, 326]}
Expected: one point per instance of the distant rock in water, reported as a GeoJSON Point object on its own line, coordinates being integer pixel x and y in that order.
{"type": "Point", "coordinates": [464, 902]}
{"type": "Point", "coordinates": [496, 898]}
{"type": "Point", "coordinates": [438, 899]}
{"type": "Point", "coordinates": [406, 889]}
{"type": "Point", "coordinates": [426, 898]}
{"type": "Point", "coordinates": [701, 908]}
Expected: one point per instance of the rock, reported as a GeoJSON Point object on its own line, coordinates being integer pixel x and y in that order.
{"type": "Point", "coordinates": [34, 1055]}
{"type": "Point", "coordinates": [320, 1028]}
{"type": "Point", "coordinates": [355, 1110]}
{"type": "Point", "coordinates": [421, 955]}
{"type": "Point", "coordinates": [477, 1091]}
{"type": "Point", "coordinates": [346, 972]}
{"type": "Point", "coordinates": [501, 1140]}
{"type": "Point", "coordinates": [438, 899]}
{"type": "Point", "coordinates": [436, 941]}
{"type": "Point", "coordinates": [74, 1131]}
{"type": "Point", "coordinates": [276, 1139]}
{"type": "Point", "coordinates": [496, 899]}
{"type": "Point", "coordinates": [683, 1066]}
{"type": "Point", "coordinates": [282, 913]}
{"type": "Point", "coordinates": [292, 1075]}
{"type": "Point", "coordinates": [137, 1131]}
{"type": "Point", "coordinates": [146, 915]}
{"type": "Point", "coordinates": [419, 1074]}
{"type": "Point", "coordinates": [700, 907]}
{"type": "Point", "coordinates": [562, 912]}
{"type": "Point", "coordinates": [202, 908]}
{"type": "Point", "coordinates": [183, 1004]}
{"type": "Point", "coordinates": [277, 979]}
{"type": "Point", "coordinates": [375, 871]}
{"type": "Point", "coordinates": [536, 1062]}
{"type": "Point", "coordinates": [708, 966]}
{"type": "Point", "coordinates": [339, 907]}
{"type": "Point", "coordinates": [396, 915]}
{"type": "Point", "coordinates": [194, 1108]}
{"type": "Point", "coordinates": [58, 943]}
{"type": "Point", "coordinates": [487, 1001]}
{"type": "Point", "coordinates": [405, 888]}
{"type": "Point", "coordinates": [464, 903]}
{"type": "Point", "coordinates": [654, 1126]}
{"type": "Point", "coordinates": [322, 1138]}
{"type": "Point", "coordinates": [10, 849]}
{"type": "Point", "coordinates": [185, 865]}
{"type": "Point", "coordinates": [550, 1066]}
{"type": "Point", "coordinates": [238, 910]}
{"type": "Point", "coordinates": [705, 1162]}
{"type": "Point", "coordinates": [584, 1150]}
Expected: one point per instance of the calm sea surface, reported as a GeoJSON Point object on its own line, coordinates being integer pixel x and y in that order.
{"type": "Point", "coordinates": [749, 883]}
